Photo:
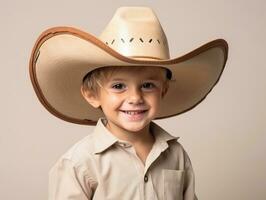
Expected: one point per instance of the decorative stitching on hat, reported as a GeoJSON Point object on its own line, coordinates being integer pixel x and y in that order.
{"type": "Point", "coordinates": [140, 39]}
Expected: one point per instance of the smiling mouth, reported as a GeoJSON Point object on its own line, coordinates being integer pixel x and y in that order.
{"type": "Point", "coordinates": [133, 112]}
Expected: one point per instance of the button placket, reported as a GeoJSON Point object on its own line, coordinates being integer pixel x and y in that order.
{"type": "Point", "coordinates": [148, 188]}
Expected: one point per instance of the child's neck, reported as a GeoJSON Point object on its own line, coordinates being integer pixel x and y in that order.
{"type": "Point", "coordinates": [142, 141]}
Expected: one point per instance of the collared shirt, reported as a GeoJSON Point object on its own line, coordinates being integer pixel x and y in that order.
{"type": "Point", "coordinates": [102, 167]}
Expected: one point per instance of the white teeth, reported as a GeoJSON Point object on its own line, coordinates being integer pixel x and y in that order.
{"type": "Point", "coordinates": [133, 112]}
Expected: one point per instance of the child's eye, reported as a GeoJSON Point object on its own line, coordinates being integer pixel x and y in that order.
{"type": "Point", "coordinates": [148, 86]}
{"type": "Point", "coordinates": [118, 86]}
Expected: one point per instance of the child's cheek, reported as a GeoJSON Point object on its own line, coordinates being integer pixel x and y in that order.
{"type": "Point", "coordinates": [113, 100]}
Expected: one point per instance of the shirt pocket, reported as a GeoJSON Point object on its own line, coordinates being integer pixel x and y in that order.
{"type": "Point", "coordinates": [173, 183]}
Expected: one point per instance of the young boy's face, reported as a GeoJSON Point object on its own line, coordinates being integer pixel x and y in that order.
{"type": "Point", "coordinates": [130, 98]}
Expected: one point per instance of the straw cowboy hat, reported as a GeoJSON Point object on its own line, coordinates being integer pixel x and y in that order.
{"type": "Point", "coordinates": [62, 56]}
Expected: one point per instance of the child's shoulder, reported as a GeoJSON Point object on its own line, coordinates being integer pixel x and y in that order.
{"type": "Point", "coordinates": [80, 151]}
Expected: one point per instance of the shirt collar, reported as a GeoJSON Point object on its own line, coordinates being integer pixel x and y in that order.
{"type": "Point", "coordinates": [161, 136]}
{"type": "Point", "coordinates": [103, 139]}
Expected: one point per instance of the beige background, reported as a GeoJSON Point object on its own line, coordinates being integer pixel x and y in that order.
{"type": "Point", "coordinates": [225, 135]}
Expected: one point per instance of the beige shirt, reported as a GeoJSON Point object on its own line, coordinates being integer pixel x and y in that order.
{"type": "Point", "coordinates": [102, 167]}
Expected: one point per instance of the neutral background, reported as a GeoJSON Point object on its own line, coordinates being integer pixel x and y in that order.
{"type": "Point", "coordinates": [225, 135]}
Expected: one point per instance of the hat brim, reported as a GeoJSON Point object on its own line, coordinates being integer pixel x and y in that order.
{"type": "Point", "coordinates": [62, 56]}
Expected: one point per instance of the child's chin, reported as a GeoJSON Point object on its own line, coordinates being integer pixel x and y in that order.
{"type": "Point", "coordinates": [134, 127]}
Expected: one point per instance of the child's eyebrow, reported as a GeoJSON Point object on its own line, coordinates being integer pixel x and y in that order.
{"type": "Point", "coordinates": [117, 79]}
{"type": "Point", "coordinates": [151, 78]}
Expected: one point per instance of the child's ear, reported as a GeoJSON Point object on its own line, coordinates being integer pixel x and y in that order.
{"type": "Point", "coordinates": [90, 97]}
{"type": "Point", "coordinates": [165, 89]}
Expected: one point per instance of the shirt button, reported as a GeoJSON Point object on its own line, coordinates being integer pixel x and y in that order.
{"type": "Point", "coordinates": [146, 178]}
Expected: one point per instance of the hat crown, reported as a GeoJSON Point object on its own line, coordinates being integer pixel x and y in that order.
{"type": "Point", "coordinates": [136, 32]}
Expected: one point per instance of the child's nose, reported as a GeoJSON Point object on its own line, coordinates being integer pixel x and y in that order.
{"type": "Point", "coordinates": [135, 96]}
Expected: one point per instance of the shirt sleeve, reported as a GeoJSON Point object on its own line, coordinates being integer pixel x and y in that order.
{"type": "Point", "coordinates": [189, 186]}
{"type": "Point", "coordinates": [68, 182]}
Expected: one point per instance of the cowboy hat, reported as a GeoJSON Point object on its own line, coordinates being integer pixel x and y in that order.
{"type": "Point", "coordinates": [62, 56]}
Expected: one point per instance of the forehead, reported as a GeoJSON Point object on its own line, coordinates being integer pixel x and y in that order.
{"type": "Point", "coordinates": [147, 72]}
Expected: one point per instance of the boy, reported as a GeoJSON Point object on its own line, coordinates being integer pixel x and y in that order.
{"type": "Point", "coordinates": [126, 80]}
